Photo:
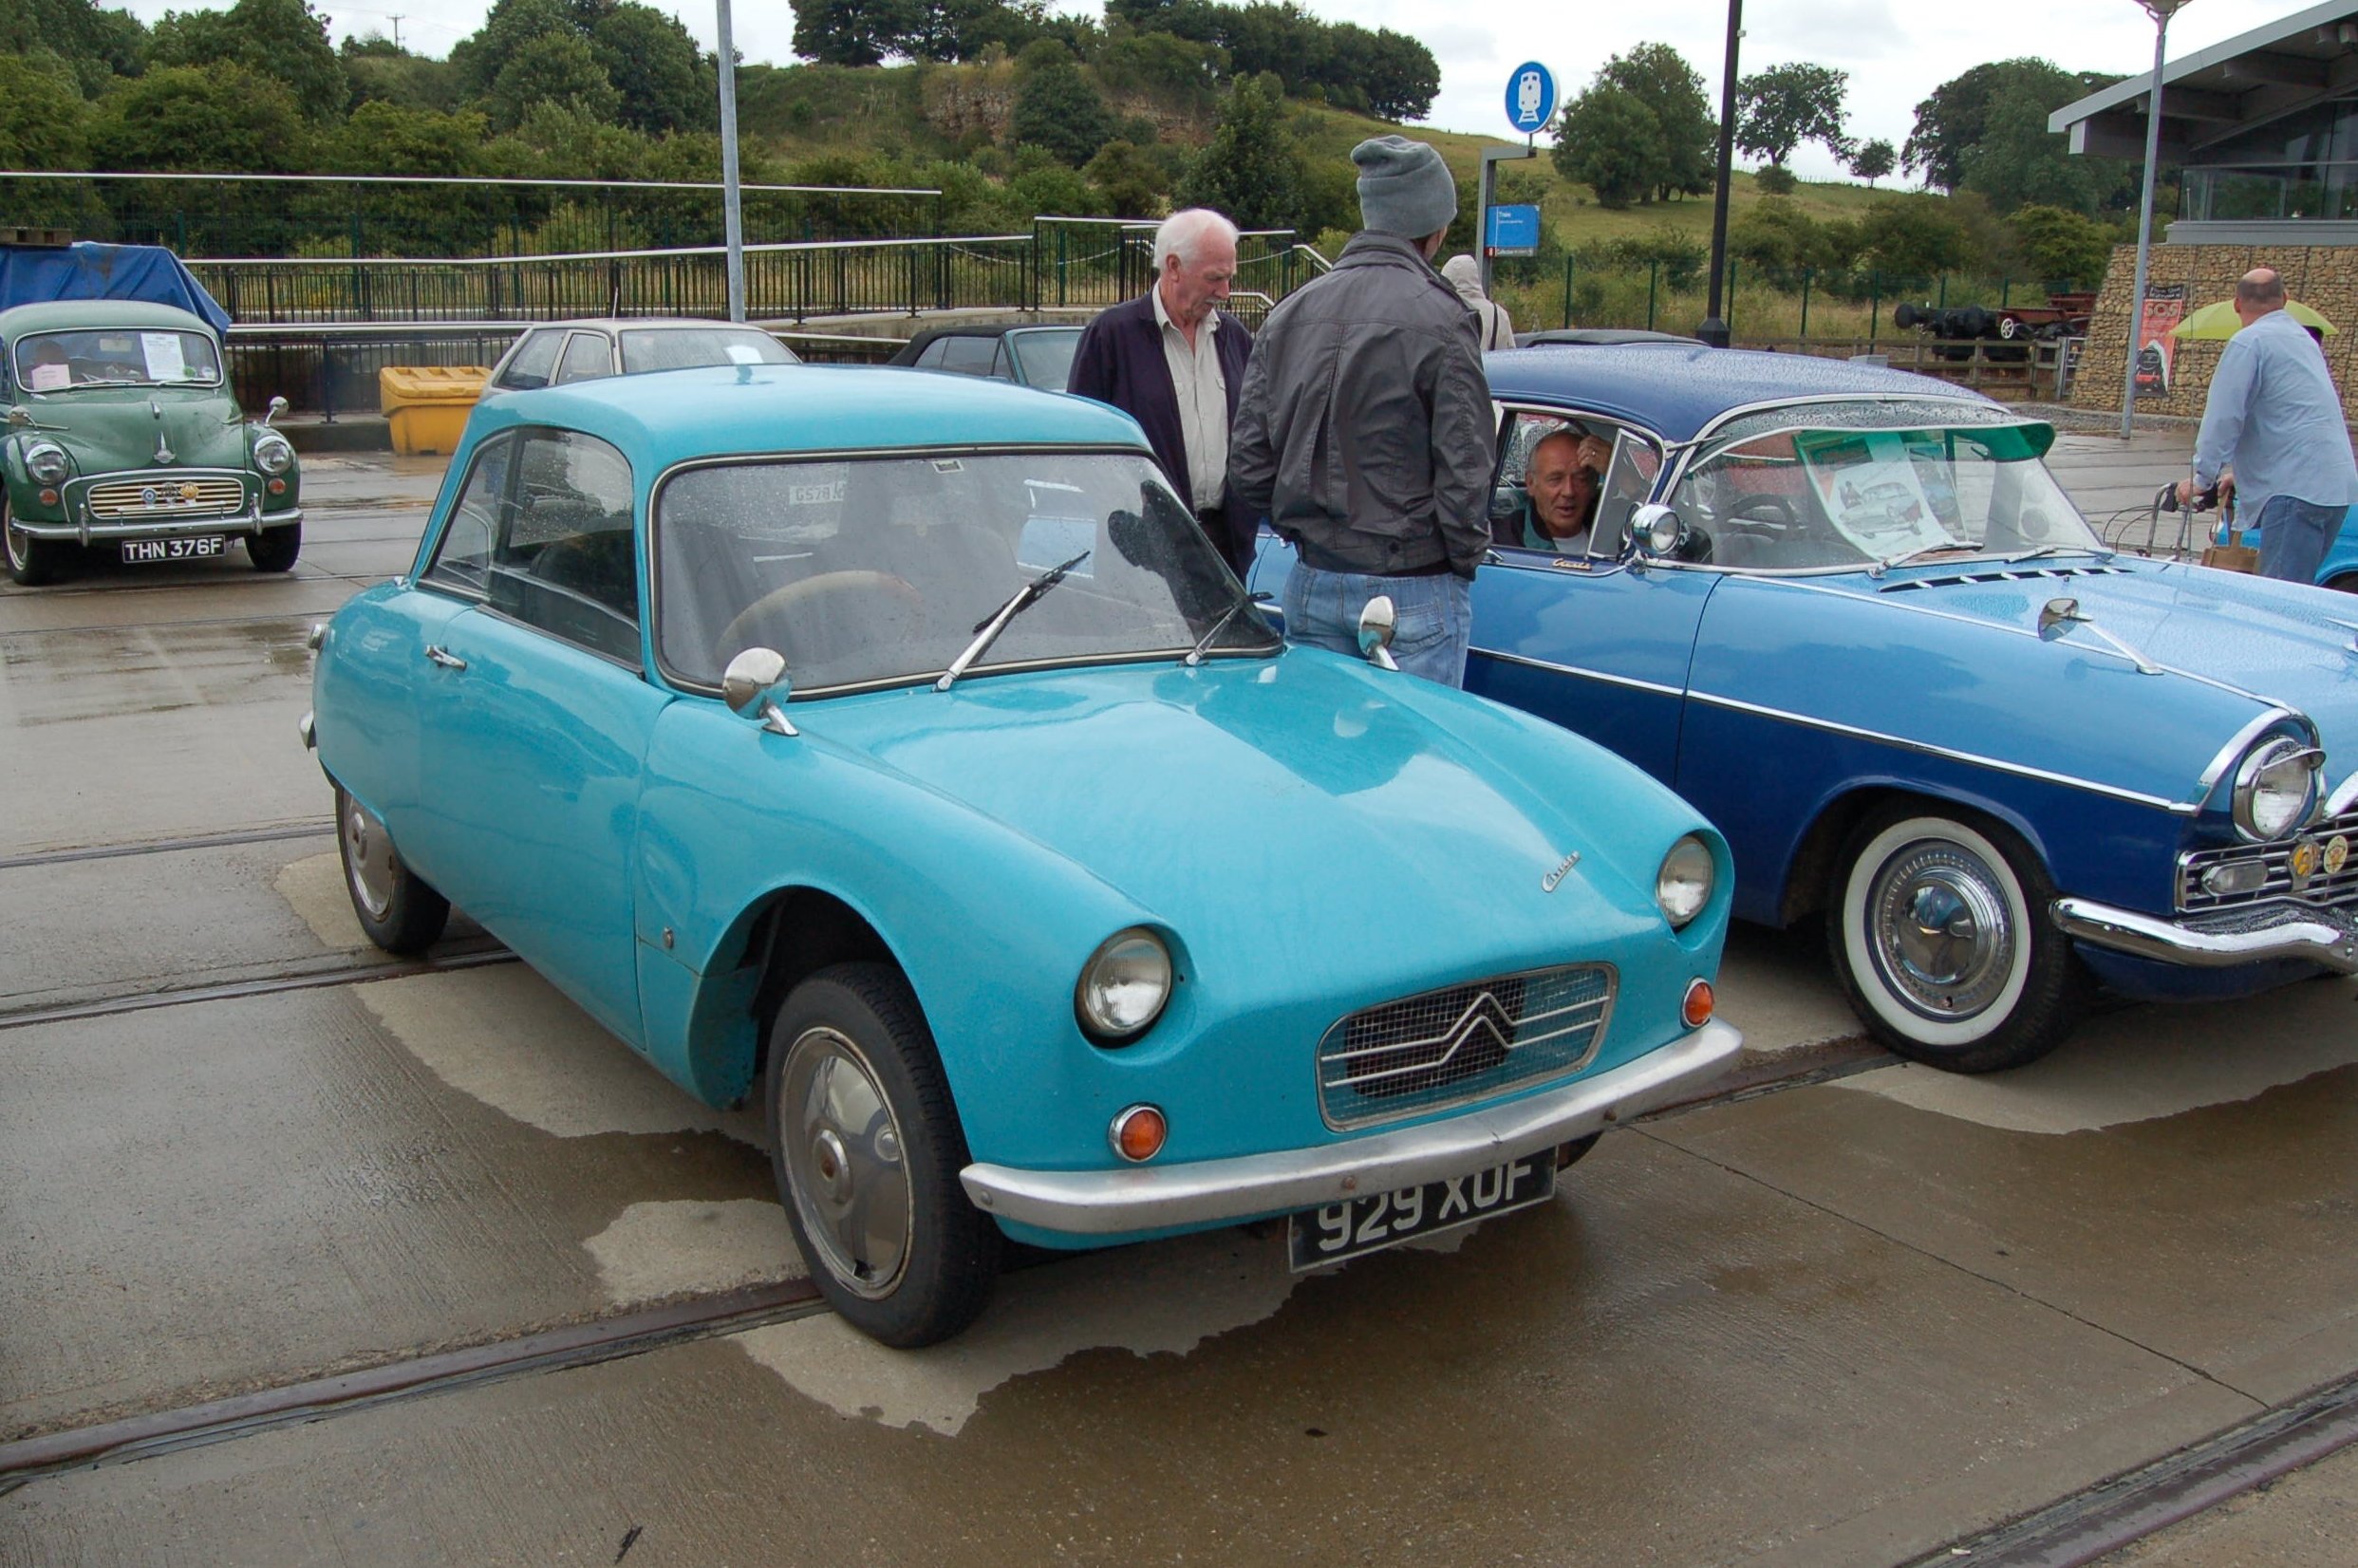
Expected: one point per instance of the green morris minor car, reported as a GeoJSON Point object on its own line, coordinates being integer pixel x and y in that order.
{"type": "Point", "coordinates": [123, 434]}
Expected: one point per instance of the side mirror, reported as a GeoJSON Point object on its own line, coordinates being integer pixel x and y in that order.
{"type": "Point", "coordinates": [20, 416]}
{"type": "Point", "coordinates": [278, 406]}
{"type": "Point", "coordinates": [754, 686]}
{"type": "Point", "coordinates": [1657, 532]}
{"type": "Point", "coordinates": [1377, 623]}
{"type": "Point", "coordinates": [2056, 616]}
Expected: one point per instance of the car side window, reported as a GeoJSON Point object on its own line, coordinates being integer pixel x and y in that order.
{"type": "Point", "coordinates": [462, 556]}
{"type": "Point", "coordinates": [534, 361]}
{"type": "Point", "coordinates": [929, 357]}
{"type": "Point", "coordinates": [1551, 495]}
{"type": "Point", "coordinates": [999, 367]}
{"type": "Point", "coordinates": [967, 355]}
{"type": "Point", "coordinates": [565, 559]}
{"type": "Point", "coordinates": [587, 357]}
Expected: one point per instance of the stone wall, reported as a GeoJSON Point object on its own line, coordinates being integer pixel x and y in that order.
{"type": "Point", "coordinates": [2324, 277]}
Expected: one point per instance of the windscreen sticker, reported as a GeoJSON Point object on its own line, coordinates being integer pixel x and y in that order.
{"type": "Point", "coordinates": [50, 378]}
{"type": "Point", "coordinates": [743, 353]}
{"type": "Point", "coordinates": [165, 361]}
{"type": "Point", "coordinates": [1870, 491]}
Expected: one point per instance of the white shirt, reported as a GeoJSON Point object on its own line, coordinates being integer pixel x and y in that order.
{"type": "Point", "coordinates": [1202, 392]}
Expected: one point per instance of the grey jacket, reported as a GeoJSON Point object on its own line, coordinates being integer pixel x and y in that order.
{"type": "Point", "coordinates": [1364, 430]}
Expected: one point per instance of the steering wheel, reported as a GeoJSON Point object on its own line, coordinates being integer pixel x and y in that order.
{"type": "Point", "coordinates": [736, 635]}
{"type": "Point", "coordinates": [1764, 509]}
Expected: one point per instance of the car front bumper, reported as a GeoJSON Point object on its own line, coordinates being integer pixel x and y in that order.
{"type": "Point", "coordinates": [2258, 934]}
{"type": "Point", "coordinates": [1149, 1197]}
{"type": "Point", "coordinates": [160, 527]}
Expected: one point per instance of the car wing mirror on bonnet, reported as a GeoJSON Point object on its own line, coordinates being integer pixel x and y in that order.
{"type": "Point", "coordinates": [1376, 625]}
{"type": "Point", "coordinates": [754, 686]}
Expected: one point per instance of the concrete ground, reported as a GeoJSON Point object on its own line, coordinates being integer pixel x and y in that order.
{"type": "Point", "coordinates": [1849, 1322]}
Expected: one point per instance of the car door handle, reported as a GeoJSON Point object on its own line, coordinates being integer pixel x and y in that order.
{"type": "Point", "coordinates": [443, 657]}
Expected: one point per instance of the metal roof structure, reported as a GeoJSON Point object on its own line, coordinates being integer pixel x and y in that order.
{"type": "Point", "coordinates": [2215, 93]}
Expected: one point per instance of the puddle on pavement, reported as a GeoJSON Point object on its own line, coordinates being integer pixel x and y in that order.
{"type": "Point", "coordinates": [664, 1249]}
{"type": "Point", "coordinates": [2145, 1063]}
{"type": "Point", "coordinates": [313, 888]}
{"type": "Point", "coordinates": [503, 1036]}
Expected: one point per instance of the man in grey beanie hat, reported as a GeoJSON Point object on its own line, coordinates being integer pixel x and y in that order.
{"type": "Point", "coordinates": [1363, 431]}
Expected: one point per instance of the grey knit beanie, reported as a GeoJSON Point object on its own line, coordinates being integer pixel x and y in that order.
{"type": "Point", "coordinates": [1404, 187]}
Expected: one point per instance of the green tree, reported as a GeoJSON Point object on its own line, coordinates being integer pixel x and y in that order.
{"type": "Point", "coordinates": [1658, 77]}
{"type": "Point", "coordinates": [2015, 159]}
{"type": "Point", "coordinates": [1915, 236]}
{"type": "Point", "coordinates": [1056, 108]}
{"type": "Point", "coordinates": [1874, 161]}
{"type": "Point", "coordinates": [383, 72]}
{"type": "Point", "coordinates": [1251, 169]}
{"type": "Point", "coordinates": [208, 118]}
{"type": "Point", "coordinates": [43, 119]}
{"type": "Point", "coordinates": [1610, 142]}
{"type": "Point", "coordinates": [2061, 245]}
{"type": "Point", "coordinates": [654, 63]}
{"type": "Point", "coordinates": [1131, 182]}
{"type": "Point", "coordinates": [1785, 105]}
{"type": "Point", "coordinates": [282, 39]}
{"type": "Point", "coordinates": [557, 67]}
{"type": "Point", "coordinates": [98, 44]}
{"type": "Point", "coordinates": [478, 59]}
{"type": "Point", "coordinates": [1775, 233]}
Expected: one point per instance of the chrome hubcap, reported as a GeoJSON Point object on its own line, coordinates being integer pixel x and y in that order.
{"type": "Point", "coordinates": [1944, 940]}
{"type": "Point", "coordinates": [368, 859]}
{"type": "Point", "coordinates": [842, 1148]}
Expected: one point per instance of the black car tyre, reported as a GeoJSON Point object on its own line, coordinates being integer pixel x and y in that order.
{"type": "Point", "coordinates": [32, 562]}
{"type": "Point", "coordinates": [275, 548]}
{"type": "Point", "coordinates": [396, 907]}
{"type": "Point", "coordinates": [866, 1146]}
{"type": "Point", "coordinates": [1941, 938]}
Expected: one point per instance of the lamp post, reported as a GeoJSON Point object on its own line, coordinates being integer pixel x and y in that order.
{"type": "Point", "coordinates": [2160, 10]}
{"type": "Point", "coordinates": [1715, 328]}
{"type": "Point", "coordinates": [732, 214]}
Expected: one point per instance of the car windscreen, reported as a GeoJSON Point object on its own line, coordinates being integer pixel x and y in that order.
{"type": "Point", "coordinates": [686, 347]}
{"type": "Point", "coordinates": [1808, 496]}
{"type": "Point", "coordinates": [127, 356]}
{"type": "Point", "coordinates": [871, 571]}
{"type": "Point", "coordinates": [1044, 357]}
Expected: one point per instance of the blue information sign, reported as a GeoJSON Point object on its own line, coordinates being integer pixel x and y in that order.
{"type": "Point", "coordinates": [1513, 231]}
{"type": "Point", "coordinates": [1530, 97]}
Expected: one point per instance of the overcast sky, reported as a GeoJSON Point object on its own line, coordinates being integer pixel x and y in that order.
{"type": "Point", "coordinates": [1896, 51]}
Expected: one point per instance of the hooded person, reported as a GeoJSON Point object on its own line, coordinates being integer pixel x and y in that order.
{"type": "Point", "coordinates": [1494, 328]}
{"type": "Point", "coordinates": [1363, 431]}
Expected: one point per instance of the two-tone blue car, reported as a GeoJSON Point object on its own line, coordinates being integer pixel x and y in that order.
{"type": "Point", "coordinates": [1850, 615]}
{"type": "Point", "coordinates": [894, 747]}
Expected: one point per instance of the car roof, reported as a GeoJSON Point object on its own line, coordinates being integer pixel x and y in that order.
{"type": "Point", "coordinates": [638, 324]}
{"type": "Point", "coordinates": [69, 313]}
{"type": "Point", "coordinates": [1678, 390]}
{"type": "Point", "coordinates": [1602, 335]}
{"type": "Point", "coordinates": [663, 416]}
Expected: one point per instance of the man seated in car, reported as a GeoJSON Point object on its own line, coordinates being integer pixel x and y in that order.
{"type": "Point", "coordinates": [1565, 479]}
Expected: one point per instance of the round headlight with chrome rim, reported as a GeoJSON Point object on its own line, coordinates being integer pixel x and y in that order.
{"type": "Point", "coordinates": [1123, 986]}
{"type": "Point", "coordinates": [47, 463]}
{"type": "Point", "coordinates": [2275, 788]}
{"type": "Point", "coordinates": [272, 454]}
{"type": "Point", "coordinates": [1683, 885]}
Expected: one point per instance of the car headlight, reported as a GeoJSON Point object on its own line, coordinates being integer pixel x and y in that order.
{"type": "Point", "coordinates": [2275, 788]}
{"type": "Point", "coordinates": [272, 454]}
{"type": "Point", "coordinates": [1683, 885]}
{"type": "Point", "coordinates": [47, 463]}
{"type": "Point", "coordinates": [1123, 986]}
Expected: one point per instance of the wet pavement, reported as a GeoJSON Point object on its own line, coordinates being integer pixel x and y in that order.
{"type": "Point", "coordinates": [1847, 1321]}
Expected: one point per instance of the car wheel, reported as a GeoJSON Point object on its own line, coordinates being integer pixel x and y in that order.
{"type": "Point", "coordinates": [32, 562]}
{"type": "Point", "coordinates": [396, 909]}
{"type": "Point", "coordinates": [1941, 937]}
{"type": "Point", "coordinates": [275, 548]}
{"type": "Point", "coordinates": [866, 1146]}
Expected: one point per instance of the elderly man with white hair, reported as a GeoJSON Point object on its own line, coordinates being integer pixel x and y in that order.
{"type": "Point", "coordinates": [1173, 361]}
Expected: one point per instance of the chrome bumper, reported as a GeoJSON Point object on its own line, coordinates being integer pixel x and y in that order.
{"type": "Point", "coordinates": [1140, 1197]}
{"type": "Point", "coordinates": [2327, 938]}
{"type": "Point", "coordinates": [160, 527]}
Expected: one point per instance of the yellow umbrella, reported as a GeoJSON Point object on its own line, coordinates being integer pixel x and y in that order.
{"type": "Point", "coordinates": [2219, 319]}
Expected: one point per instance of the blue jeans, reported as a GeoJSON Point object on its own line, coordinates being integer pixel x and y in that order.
{"type": "Point", "coordinates": [1433, 616]}
{"type": "Point", "coordinates": [2294, 537]}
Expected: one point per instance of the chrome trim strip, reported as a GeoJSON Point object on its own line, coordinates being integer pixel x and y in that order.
{"type": "Point", "coordinates": [1729, 415]}
{"type": "Point", "coordinates": [1153, 1196]}
{"type": "Point", "coordinates": [308, 731]}
{"type": "Point", "coordinates": [1629, 680]}
{"type": "Point", "coordinates": [2233, 752]}
{"type": "Point", "coordinates": [2345, 798]}
{"type": "Point", "coordinates": [83, 534]}
{"type": "Point", "coordinates": [1926, 748]}
{"type": "Point", "coordinates": [2318, 942]}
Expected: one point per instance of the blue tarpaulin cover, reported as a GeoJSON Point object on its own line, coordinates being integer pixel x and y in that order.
{"type": "Point", "coordinates": [30, 275]}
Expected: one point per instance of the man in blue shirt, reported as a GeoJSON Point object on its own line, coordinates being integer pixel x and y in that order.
{"type": "Point", "coordinates": [2274, 426]}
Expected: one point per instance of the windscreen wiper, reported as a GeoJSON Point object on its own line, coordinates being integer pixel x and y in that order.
{"type": "Point", "coordinates": [2058, 550]}
{"type": "Point", "coordinates": [987, 629]}
{"type": "Point", "coordinates": [1195, 654]}
{"type": "Point", "coordinates": [1917, 553]}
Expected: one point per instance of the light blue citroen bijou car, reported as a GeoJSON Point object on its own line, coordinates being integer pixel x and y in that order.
{"type": "Point", "coordinates": [894, 747]}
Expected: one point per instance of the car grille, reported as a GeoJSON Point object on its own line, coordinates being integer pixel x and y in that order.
{"type": "Point", "coordinates": [2322, 888]}
{"type": "Point", "coordinates": [166, 496]}
{"type": "Point", "coordinates": [1461, 1043]}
